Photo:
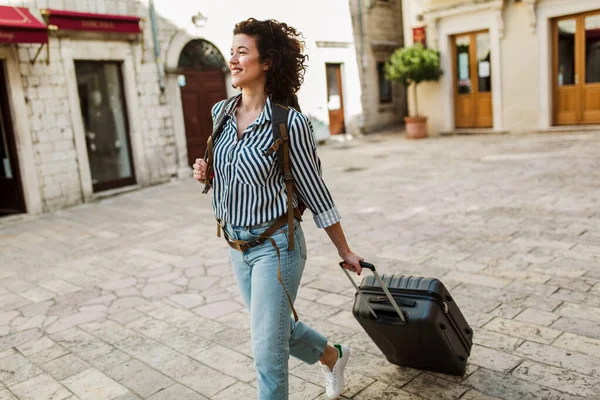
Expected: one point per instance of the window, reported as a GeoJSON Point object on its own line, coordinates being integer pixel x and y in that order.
{"type": "Point", "coordinates": [385, 86]}
{"type": "Point", "coordinates": [566, 52]}
{"type": "Point", "coordinates": [101, 97]}
{"type": "Point", "coordinates": [592, 49]}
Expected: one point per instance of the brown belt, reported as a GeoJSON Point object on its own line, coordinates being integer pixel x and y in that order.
{"type": "Point", "coordinates": [244, 245]}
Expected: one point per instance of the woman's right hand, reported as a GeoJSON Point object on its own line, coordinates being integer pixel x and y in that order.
{"type": "Point", "coordinates": [200, 170]}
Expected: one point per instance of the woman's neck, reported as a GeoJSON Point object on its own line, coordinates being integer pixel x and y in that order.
{"type": "Point", "coordinates": [253, 100]}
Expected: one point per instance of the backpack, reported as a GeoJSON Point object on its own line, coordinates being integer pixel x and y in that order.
{"type": "Point", "coordinates": [280, 109]}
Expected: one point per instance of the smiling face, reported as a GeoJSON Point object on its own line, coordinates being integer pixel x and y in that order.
{"type": "Point", "coordinates": [246, 68]}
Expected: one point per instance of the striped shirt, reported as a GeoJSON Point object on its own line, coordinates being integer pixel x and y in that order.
{"type": "Point", "coordinates": [249, 188]}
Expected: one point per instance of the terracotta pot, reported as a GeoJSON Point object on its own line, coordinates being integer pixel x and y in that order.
{"type": "Point", "coordinates": [416, 127]}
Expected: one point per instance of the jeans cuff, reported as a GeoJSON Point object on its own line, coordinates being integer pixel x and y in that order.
{"type": "Point", "coordinates": [311, 342]}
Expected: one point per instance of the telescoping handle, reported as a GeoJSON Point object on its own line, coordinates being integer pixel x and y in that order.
{"type": "Point", "coordinates": [366, 265]}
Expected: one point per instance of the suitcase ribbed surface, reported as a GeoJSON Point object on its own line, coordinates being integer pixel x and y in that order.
{"type": "Point", "coordinates": [401, 282]}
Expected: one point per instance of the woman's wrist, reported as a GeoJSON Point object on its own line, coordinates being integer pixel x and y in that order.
{"type": "Point", "coordinates": [344, 252]}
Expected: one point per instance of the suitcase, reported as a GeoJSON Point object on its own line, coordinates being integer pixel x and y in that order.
{"type": "Point", "coordinates": [414, 321]}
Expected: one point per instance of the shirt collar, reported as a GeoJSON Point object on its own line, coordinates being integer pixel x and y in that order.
{"type": "Point", "coordinates": [265, 115]}
{"type": "Point", "coordinates": [231, 107]}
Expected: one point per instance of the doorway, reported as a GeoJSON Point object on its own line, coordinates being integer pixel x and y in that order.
{"type": "Point", "coordinates": [335, 99]}
{"type": "Point", "coordinates": [102, 103]}
{"type": "Point", "coordinates": [472, 80]}
{"type": "Point", "coordinates": [202, 83]}
{"type": "Point", "coordinates": [576, 69]}
{"type": "Point", "coordinates": [11, 200]}
{"type": "Point", "coordinates": [202, 90]}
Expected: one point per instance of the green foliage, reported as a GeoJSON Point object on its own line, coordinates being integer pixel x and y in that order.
{"type": "Point", "coordinates": [413, 64]}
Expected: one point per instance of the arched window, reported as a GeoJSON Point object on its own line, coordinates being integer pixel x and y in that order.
{"type": "Point", "coordinates": [200, 54]}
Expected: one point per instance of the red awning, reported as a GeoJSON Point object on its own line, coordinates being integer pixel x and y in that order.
{"type": "Point", "coordinates": [17, 25]}
{"type": "Point", "coordinates": [77, 21]}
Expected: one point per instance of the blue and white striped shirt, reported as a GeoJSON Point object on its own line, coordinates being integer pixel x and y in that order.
{"type": "Point", "coordinates": [249, 188]}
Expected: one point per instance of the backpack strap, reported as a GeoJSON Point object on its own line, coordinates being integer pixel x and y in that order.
{"type": "Point", "coordinates": [281, 144]}
{"type": "Point", "coordinates": [224, 114]}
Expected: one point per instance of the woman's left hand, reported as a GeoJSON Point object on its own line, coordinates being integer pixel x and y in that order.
{"type": "Point", "coordinates": [352, 261]}
{"type": "Point", "coordinates": [200, 170]}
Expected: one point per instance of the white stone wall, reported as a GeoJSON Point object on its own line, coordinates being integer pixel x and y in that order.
{"type": "Point", "coordinates": [49, 113]}
{"type": "Point", "coordinates": [61, 164]}
{"type": "Point", "coordinates": [520, 91]}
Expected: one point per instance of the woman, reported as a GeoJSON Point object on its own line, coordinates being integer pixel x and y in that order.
{"type": "Point", "coordinates": [249, 194]}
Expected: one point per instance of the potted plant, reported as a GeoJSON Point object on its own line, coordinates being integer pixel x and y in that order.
{"type": "Point", "coordinates": [413, 65]}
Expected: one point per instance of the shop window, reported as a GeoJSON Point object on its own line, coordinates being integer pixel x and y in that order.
{"type": "Point", "coordinates": [385, 86]}
{"type": "Point", "coordinates": [102, 102]}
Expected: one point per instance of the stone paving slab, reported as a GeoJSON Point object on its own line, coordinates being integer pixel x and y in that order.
{"type": "Point", "coordinates": [133, 297]}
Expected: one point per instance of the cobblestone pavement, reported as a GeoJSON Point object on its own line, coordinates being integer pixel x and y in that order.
{"type": "Point", "coordinates": [133, 297]}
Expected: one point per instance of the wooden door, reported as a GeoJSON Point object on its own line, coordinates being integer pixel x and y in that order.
{"type": "Point", "coordinates": [201, 91]}
{"type": "Point", "coordinates": [576, 69]}
{"type": "Point", "coordinates": [335, 99]}
{"type": "Point", "coordinates": [11, 199]}
{"type": "Point", "coordinates": [473, 80]}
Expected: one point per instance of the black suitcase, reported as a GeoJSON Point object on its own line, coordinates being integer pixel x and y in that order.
{"type": "Point", "coordinates": [421, 327]}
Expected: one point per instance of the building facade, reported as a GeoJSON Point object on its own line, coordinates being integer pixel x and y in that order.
{"type": "Point", "coordinates": [377, 33]}
{"type": "Point", "coordinates": [104, 107]}
{"type": "Point", "coordinates": [86, 115]}
{"type": "Point", "coordinates": [510, 66]}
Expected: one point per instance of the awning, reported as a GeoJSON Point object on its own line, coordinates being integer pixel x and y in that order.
{"type": "Point", "coordinates": [17, 25]}
{"type": "Point", "coordinates": [77, 21]}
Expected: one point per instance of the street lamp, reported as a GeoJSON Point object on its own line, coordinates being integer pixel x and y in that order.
{"type": "Point", "coordinates": [199, 20]}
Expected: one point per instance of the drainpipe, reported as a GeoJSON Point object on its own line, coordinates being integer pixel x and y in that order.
{"type": "Point", "coordinates": [363, 54]}
{"type": "Point", "coordinates": [160, 68]}
{"type": "Point", "coordinates": [363, 66]}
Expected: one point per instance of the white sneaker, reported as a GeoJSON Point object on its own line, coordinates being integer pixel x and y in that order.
{"type": "Point", "coordinates": [334, 379]}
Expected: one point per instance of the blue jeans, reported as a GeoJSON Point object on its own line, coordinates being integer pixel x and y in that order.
{"type": "Point", "coordinates": [275, 334]}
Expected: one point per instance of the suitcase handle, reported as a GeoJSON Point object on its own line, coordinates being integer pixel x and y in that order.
{"type": "Point", "coordinates": [370, 266]}
{"type": "Point", "coordinates": [364, 264]}
{"type": "Point", "coordinates": [383, 299]}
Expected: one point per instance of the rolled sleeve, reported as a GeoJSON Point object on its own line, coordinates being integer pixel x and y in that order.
{"type": "Point", "coordinates": [307, 174]}
{"type": "Point", "coordinates": [327, 218]}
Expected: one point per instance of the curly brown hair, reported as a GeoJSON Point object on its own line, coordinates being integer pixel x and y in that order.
{"type": "Point", "coordinates": [281, 44]}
